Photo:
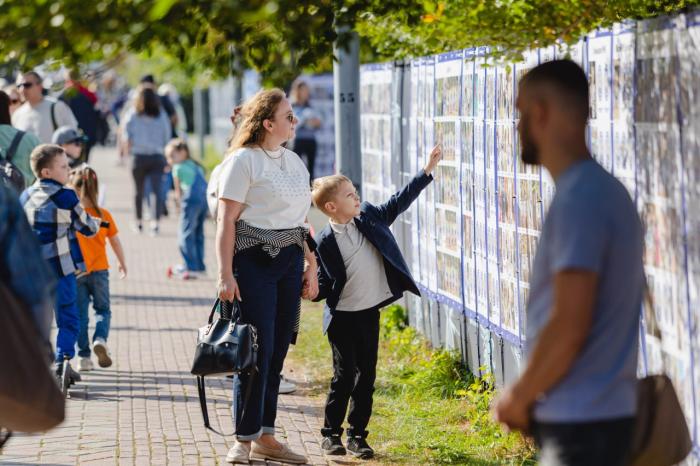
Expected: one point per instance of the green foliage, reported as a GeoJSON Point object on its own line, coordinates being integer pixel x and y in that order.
{"type": "Point", "coordinates": [281, 38]}
{"type": "Point", "coordinates": [428, 408]}
{"type": "Point", "coordinates": [393, 318]}
{"type": "Point", "coordinates": [511, 27]}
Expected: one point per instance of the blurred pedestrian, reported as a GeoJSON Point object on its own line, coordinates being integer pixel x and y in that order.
{"type": "Point", "coordinates": [40, 115]}
{"type": "Point", "coordinates": [168, 91]}
{"type": "Point", "coordinates": [82, 103]}
{"type": "Point", "coordinates": [147, 131]}
{"type": "Point", "coordinates": [94, 285]}
{"type": "Point", "coordinates": [16, 145]}
{"type": "Point", "coordinates": [15, 98]}
{"type": "Point", "coordinates": [309, 123]}
{"type": "Point", "coordinates": [577, 394]}
{"type": "Point", "coordinates": [191, 195]}
{"type": "Point", "coordinates": [72, 141]}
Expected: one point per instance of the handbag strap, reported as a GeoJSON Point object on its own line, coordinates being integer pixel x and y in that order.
{"type": "Point", "coordinates": [227, 310]}
{"type": "Point", "coordinates": [201, 391]}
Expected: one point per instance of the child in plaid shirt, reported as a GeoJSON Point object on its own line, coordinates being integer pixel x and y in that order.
{"type": "Point", "coordinates": [55, 215]}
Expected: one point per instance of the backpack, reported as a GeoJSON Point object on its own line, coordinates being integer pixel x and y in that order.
{"type": "Point", "coordinates": [10, 175]}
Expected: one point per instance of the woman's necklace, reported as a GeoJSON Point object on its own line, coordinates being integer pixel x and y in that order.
{"type": "Point", "coordinates": [279, 157]}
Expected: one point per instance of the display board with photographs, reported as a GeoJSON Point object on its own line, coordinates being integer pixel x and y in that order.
{"type": "Point", "coordinates": [505, 219]}
{"type": "Point", "coordinates": [660, 196]}
{"type": "Point", "coordinates": [475, 230]}
{"type": "Point", "coordinates": [448, 74]}
{"type": "Point", "coordinates": [375, 131]}
{"type": "Point", "coordinates": [689, 62]}
{"type": "Point", "coordinates": [600, 74]}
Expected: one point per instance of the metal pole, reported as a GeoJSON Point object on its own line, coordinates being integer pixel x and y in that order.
{"type": "Point", "coordinates": [346, 82]}
{"type": "Point", "coordinates": [199, 122]}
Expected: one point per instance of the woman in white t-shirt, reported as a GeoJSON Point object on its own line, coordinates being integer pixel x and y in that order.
{"type": "Point", "coordinates": [261, 243]}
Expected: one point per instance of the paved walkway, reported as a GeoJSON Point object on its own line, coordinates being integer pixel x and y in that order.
{"type": "Point", "coordinates": [144, 409]}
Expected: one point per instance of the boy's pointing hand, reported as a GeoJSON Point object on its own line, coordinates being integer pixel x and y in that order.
{"type": "Point", "coordinates": [433, 159]}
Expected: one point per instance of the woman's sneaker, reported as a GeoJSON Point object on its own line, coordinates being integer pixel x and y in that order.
{"type": "Point", "coordinates": [359, 448]}
{"type": "Point", "coordinates": [85, 365]}
{"type": "Point", "coordinates": [239, 454]}
{"type": "Point", "coordinates": [332, 445]}
{"type": "Point", "coordinates": [99, 347]}
{"type": "Point", "coordinates": [286, 386]}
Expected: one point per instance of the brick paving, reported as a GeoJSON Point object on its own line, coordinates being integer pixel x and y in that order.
{"type": "Point", "coordinates": [144, 409]}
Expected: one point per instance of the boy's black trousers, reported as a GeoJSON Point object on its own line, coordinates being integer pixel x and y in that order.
{"type": "Point", "coordinates": [354, 339]}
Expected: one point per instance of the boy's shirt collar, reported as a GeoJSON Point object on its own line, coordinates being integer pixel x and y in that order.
{"type": "Point", "coordinates": [49, 181]}
{"type": "Point", "coordinates": [341, 228]}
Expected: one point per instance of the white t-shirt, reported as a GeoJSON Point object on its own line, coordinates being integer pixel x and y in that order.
{"type": "Point", "coordinates": [37, 120]}
{"type": "Point", "coordinates": [274, 188]}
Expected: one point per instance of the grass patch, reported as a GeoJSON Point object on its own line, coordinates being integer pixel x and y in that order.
{"type": "Point", "coordinates": [428, 408]}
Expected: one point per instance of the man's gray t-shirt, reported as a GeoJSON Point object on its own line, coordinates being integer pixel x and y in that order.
{"type": "Point", "coordinates": [592, 225]}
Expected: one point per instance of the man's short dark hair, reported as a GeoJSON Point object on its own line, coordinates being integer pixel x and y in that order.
{"type": "Point", "coordinates": [148, 78]}
{"type": "Point", "coordinates": [566, 76]}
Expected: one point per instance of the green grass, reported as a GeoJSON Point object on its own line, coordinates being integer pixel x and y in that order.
{"type": "Point", "coordinates": [428, 408]}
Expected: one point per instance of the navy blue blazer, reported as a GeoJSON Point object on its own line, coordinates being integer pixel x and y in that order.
{"type": "Point", "coordinates": [373, 222]}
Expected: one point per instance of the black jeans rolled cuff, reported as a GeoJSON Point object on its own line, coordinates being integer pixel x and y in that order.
{"type": "Point", "coordinates": [357, 434]}
{"type": "Point", "coordinates": [328, 431]}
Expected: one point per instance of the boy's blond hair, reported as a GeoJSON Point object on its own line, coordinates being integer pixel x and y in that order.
{"type": "Point", "coordinates": [43, 156]}
{"type": "Point", "coordinates": [325, 189]}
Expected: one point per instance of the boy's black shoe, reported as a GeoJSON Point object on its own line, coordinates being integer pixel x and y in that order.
{"type": "Point", "coordinates": [333, 445]}
{"type": "Point", "coordinates": [359, 448]}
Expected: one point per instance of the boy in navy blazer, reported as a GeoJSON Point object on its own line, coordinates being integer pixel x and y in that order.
{"type": "Point", "coordinates": [360, 270]}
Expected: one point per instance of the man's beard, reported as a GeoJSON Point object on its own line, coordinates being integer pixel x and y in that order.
{"type": "Point", "coordinates": [529, 153]}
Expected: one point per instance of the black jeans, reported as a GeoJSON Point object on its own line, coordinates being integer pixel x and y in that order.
{"type": "Point", "coordinates": [588, 443]}
{"type": "Point", "coordinates": [307, 148]}
{"type": "Point", "coordinates": [270, 292]}
{"type": "Point", "coordinates": [150, 166]}
{"type": "Point", "coordinates": [354, 339]}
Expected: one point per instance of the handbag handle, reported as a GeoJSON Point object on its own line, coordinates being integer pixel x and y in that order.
{"type": "Point", "coordinates": [235, 310]}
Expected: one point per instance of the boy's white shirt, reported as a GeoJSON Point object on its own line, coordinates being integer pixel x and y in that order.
{"type": "Point", "coordinates": [366, 284]}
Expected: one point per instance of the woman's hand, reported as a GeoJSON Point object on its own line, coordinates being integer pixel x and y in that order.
{"type": "Point", "coordinates": [227, 289]}
{"type": "Point", "coordinates": [309, 288]}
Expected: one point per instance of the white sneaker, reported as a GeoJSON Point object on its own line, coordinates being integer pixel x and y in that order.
{"type": "Point", "coordinates": [286, 386]}
{"type": "Point", "coordinates": [85, 365]}
{"type": "Point", "coordinates": [99, 347]}
{"type": "Point", "coordinates": [239, 453]}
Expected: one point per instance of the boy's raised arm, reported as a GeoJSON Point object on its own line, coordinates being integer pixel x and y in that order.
{"type": "Point", "coordinates": [403, 199]}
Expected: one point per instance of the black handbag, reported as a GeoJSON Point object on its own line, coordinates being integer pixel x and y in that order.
{"type": "Point", "coordinates": [225, 346]}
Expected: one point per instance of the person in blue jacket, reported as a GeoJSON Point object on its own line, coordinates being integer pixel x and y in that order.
{"type": "Point", "coordinates": [360, 270]}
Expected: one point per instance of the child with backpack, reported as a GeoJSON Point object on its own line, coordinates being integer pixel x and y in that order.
{"type": "Point", "coordinates": [94, 284]}
{"type": "Point", "coordinates": [191, 194]}
{"type": "Point", "coordinates": [56, 216]}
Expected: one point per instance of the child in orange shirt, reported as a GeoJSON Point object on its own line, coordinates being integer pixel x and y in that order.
{"type": "Point", "coordinates": [95, 283]}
